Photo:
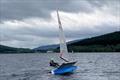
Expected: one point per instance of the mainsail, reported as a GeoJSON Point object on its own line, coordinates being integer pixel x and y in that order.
{"type": "Point", "coordinates": [63, 45]}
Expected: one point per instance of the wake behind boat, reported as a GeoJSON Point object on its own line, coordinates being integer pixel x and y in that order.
{"type": "Point", "coordinates": [67, 66]}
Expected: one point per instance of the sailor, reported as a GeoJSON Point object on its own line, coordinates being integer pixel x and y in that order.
{"type": "Point", "coordinates": [54, 64]}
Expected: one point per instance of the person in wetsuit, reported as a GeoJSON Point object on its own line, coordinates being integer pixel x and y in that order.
{"type": "Point", "coordinates": [54, 64]}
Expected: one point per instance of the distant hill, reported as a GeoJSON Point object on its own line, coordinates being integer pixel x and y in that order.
{"type": "Point", "coordinates": [106, 39]}
{"type": "Point", "coordinates": [6, 49]}
{"type": "Point", "coordinates": [50, 47]}
{"type": "Point", "coordinates": [104, 43]}
{"type": "Point", "coordinates": [46, 48]}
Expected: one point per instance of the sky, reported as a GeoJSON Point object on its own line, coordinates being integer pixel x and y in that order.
{"type": "Point", "coordinates": [33, 23]}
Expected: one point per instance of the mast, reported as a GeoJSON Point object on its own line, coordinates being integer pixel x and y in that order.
{"type": "Point", "coordinates": [63, 45]}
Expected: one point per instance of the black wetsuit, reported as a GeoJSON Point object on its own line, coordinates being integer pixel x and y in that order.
{"type": "Point", "coordinates": [54, 64]}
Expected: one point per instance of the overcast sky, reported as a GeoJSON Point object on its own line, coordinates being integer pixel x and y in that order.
{"type": "Point", "coordinates": [32, 23]}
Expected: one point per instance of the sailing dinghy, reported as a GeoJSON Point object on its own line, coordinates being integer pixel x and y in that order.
{"type": "Point", "coordinates": [67, 66]}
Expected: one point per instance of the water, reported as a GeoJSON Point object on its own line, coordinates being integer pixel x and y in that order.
{"type": "Point", "coordinates": [91, 66]}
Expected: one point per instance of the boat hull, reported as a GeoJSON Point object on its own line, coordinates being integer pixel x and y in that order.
{"type": "Point", "coordinates": [65, 68]}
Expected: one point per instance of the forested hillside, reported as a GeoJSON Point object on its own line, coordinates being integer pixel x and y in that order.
{"type": "Point", "coordinates": [104, 43]}
{"type": "Point", "coordinates": [6, 49]}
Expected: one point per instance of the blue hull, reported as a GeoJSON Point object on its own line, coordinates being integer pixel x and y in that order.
{"type": "Point", "coordinates": [64, 70]}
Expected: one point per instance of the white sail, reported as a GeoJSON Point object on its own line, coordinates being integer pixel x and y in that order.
{"type": "Point", "coordinates": [63, 45]}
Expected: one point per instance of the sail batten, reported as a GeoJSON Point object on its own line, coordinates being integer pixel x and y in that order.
{"type": "Point", "coordinates": [63, 45]}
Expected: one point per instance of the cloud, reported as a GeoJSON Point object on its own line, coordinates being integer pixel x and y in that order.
{"type": "Point", "coordinates": [20, 9]}
{"type": "Point", "coordinates": [31, 23]}
{"type": "Point", "coordinates": [41, 31]}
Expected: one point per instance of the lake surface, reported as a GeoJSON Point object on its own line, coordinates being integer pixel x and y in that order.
{"type": "Point", "coordinates": [91, 66]}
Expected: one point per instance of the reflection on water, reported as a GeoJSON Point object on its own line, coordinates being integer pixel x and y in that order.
{"type": "Point", "coordinates": [91, 66]}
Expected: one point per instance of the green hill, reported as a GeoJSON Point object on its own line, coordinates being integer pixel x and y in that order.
{"type": "Point", "coordinates": [6, 49]}
{"type": "Point", "coordinates": [105, 43]}
{"type": "Point", "coordinates": [107, 39]}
